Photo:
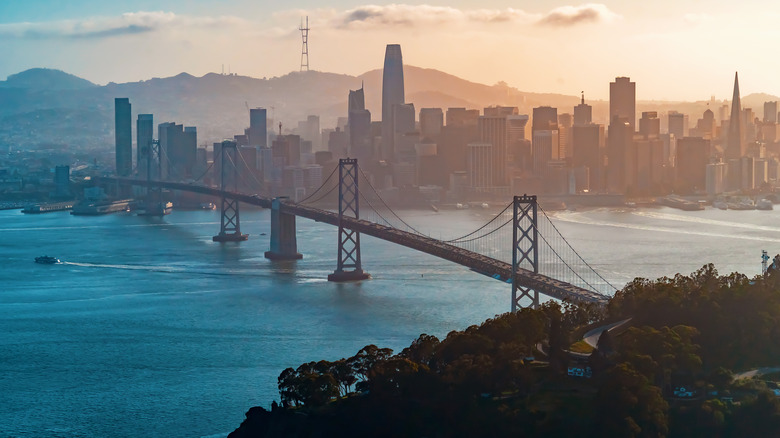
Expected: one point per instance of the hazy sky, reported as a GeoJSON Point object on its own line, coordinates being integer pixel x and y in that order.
{"type": "Point", "coordinates": [673, 49]}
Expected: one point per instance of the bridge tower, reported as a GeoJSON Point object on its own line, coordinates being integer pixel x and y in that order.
{"type": "Point", "coordinates": [284, 244]}
{"type": "Point", "coordinates": [349, 240]}
{"type": "Point", "coordinates": [230, 227]}
{"type": "Point", "coordinates": [154, 204]}
{"type": "Point", "coordinates": [525, 248]}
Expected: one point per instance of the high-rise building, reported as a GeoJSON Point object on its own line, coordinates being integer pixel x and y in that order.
{"type": "Point", "coordinates": [620, 155]}
{"type": "Point", "coordinates": [258, 127]}
{"type": "Point", "coordinates": [493, 131]}
{"type": "Point", "coordinates": [622, 100]}
{"type": "Point", "coordinates": [62, 181]}
{"type": "Point", "coordinates": [359, 123]}
{"type": "Point", "coordinates": [693, 155]}
{"type": "Point", "coordinates": [587, 142]}
{"type": "Point", "coordinates": [583, 113]}
{"type": "Point", "coordinates": [462, 117]}
{"type": "Point", "coordinates": [544, 118]}
{"type": "Point", "coordinates": [500, 111]}
{"type": "Point", "coordinates": [544, 145]}
{"type": "Point", "coordinates": [650, 124]}
{"type": "Point", "coordinates": [678, 124]}
{"type": "Point", "coordinates": [123, 127]}
{"type": "Point", "coordinates": [357, 100]}
{"type": "Point", "coordinates": [770, 112]}
{"type": "Point", "coordinates": [480, 165]}
{"type": "Point", "coordinates": [403, 118]}
{"type": "Point", "coordinates": [735, 143]}
{"type": "Point", "coordinates": [565, 122]}
{"type": "Point", "coordinates": [392, 94]}
{"type": "Point", "coordinates": [144, 134]}
{"type": "Point", "coordinates": [431, 122]}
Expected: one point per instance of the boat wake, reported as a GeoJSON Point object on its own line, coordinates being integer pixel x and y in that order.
{"type": "Point", "coordinates": [580, 219]}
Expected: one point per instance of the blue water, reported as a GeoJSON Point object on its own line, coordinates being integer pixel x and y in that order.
{"type": "Point", "coordinates": [150, 329]}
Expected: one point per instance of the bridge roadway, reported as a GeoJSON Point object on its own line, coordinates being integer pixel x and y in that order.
{"type": "Point", "coordinates": [478, 262]}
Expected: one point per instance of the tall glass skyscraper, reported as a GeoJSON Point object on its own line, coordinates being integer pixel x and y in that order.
{"type": "Point", "coordinates": [124, 136]}
{"type": "Point", "coordinates": [392, 94]}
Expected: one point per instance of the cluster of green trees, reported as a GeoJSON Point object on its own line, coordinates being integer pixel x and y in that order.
{"type": "Point", "coordinates": [508, 376]}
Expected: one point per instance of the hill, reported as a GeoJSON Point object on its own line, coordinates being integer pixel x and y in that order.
{"type": "Point", "coordinates": [46, 79]}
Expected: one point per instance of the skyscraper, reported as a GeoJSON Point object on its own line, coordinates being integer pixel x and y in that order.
{"type": "Point", "coordinates": [583, 113]}
{"type": "Point", "coordinates": [357, 100]}
{"type": "Point", "coordinates": [359, 122]}
{"type": "Point", "coordinates": [392, 94]}
{"type": "Point", "coordinates": [258, 128]}
{"type": "Point", "coordinates": [123, 127]}
{"type": "Point", "coordinates": [622, 100]}
{"type": "Point", "coordinates": [678, 124]}
{"type": "Point", "coordinates": [493, 131]}
{"type": "Point", "coordinates": [431, 122]}
{"type": "Point", "coordinates": [144, 134]}
{"type": "Point", "coordinates": [770, 112]}
{"type": "Point", "coordinates": [735, 144]}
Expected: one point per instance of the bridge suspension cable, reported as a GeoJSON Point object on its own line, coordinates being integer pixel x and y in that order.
{"type": "Point", "coordinates": [306, 199]}
{"type": "Point", "coordinates": [574, 251]}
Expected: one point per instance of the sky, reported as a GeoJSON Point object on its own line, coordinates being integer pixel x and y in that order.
{"type": "Point", "coordinates": [673, 49]}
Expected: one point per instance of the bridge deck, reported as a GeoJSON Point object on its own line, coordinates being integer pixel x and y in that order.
{"type": "Point", "coordinates": [541, 283]}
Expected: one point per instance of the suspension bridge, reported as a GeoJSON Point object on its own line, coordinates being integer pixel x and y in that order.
{"type": "Point", "coordinates": [520, 245]}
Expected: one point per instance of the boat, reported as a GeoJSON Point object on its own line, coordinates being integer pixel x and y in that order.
{"type": "Point", "coordinates": [721, 205]}
{"type": "Point", "coordinates": [47, 260]}
{"type": "Point", "coordinates": [680, 203]}
{"type": "Point", "coordinates": [156, 209]}
{"type": "Point", "coordinates": [208, 206]}
{"type": "Point", "coordinates": [485, 205]}
{"type": "Point", "coordinates": [87, 208]}
{"type": "Point", "coordinates": [764, 204]}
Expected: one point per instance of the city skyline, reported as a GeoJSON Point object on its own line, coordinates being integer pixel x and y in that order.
{"type": "Point", "coordinates": [571, 46]}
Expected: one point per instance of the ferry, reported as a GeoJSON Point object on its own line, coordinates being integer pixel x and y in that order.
{"type": "Point", "coordinates": [46, 260]}
{"type": "Point", "coordinates": [86, 208]}
{"type": "Point", "coordinates": [158, 209]}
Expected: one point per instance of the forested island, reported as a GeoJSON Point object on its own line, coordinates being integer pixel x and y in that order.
{"type": "Point", "coordinates": [668, 371]}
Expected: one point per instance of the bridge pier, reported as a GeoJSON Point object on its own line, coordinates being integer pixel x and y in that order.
{"type": "Point", "coordinates": [230, 223]}
{"type": "Point", "coordinates": [349, 240]}
{"type": "Point", "coordinates": [284, 244]}
{"type": "Point", "coordinates": [525, 238]}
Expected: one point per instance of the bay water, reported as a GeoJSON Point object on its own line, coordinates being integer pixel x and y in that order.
{"type": "Point", "coordinates": [148, 328]}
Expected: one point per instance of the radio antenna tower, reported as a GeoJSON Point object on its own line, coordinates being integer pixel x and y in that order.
{"type": "Point", "coordinates": [305, 47]}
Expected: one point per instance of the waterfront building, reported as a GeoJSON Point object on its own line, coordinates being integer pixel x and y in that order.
{"type": "Point", "coordinates": [123, 136]}
{"type": "Point", "coordinates": [144, 130]}
{"type": "Point", "coordinates": [693, 155]}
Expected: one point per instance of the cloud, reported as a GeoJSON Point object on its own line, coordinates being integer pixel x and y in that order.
{"type": "Point", "coordinates": [566, 16]}
{"type": "Point", "coordinates": [367, 17]}
{"type": "Point", "coordinates": [130, 23]}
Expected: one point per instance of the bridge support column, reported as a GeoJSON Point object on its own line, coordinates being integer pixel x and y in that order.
{"type": "Point", "coordinates": [230, 224]}
{"type": "Point", "coordinates": [348, 267]}
{"type": "Point", "coordinates": [525, 237]}
{"type": "Point", "coordinates": [284, 244]}
{"type": "Point", "coordinates": [154, 204]}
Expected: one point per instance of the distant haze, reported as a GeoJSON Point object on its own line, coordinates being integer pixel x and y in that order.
{"type": "Point", "coordinates": [673, 50]}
